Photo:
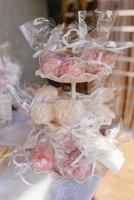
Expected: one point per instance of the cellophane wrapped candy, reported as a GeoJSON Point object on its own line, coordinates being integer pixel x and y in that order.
{"type": "Point", "coordinates": [74, 136]}
{"type": "Point", "coordinates": [10, 73]}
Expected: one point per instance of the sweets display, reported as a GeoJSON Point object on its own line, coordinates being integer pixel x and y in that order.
{"type": "Point", "coordinates": [74, 135]}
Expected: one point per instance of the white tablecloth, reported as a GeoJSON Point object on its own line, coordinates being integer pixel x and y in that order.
{"type": "Point", "coordinates": [43, 188]}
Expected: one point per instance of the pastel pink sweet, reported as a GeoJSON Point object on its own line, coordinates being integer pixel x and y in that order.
{"type": "Point", "coordinates": [96, 59]}
{"type": "Point", "coordinates": [79, 171]}
{"type": "Point", "coordinates": [43, 158]}
{"type": "Point", "coordinates": [98, 55]}
{"type": "Point", "coordinates": [71, 67]}
{"type": "Point", "coordinates": [51, 66]}
{"type": "Point", "coordinates": [92, 55]}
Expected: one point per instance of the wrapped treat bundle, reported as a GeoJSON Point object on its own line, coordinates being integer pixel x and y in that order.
{"type": "Point", "coordinates": [74, 135]}
{"type": "Point", "coordinates": [10, 73]}
{"type": "Point", "coordinates": [10, 70]}
{"type": "Point", "coordinates": [67, 140]}
{"type": "Point", "coordinates": [70, 53]}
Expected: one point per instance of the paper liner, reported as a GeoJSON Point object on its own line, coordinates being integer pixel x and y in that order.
{"type": "Point", "coordinates": [67, 78]}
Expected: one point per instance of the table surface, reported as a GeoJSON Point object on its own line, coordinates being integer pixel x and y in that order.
{"type": "Point", "coordinates": [43, 187]}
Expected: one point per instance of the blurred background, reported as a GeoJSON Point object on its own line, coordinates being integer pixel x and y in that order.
{"type": "Point", "coordinates": [14, 13]}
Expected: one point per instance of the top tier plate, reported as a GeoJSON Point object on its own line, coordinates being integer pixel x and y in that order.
{"type": "Point", "coordinates": [67, 78]}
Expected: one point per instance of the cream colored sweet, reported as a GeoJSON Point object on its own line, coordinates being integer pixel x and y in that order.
{"type": "Point", "coordinates": [42, 113]}
{"type": "Point", "coordinates": [44, 94]}
{"type": "Point", "coordinates": [69, 111]}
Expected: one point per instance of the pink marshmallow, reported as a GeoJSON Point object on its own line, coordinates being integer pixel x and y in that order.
{"type": "Point", "coordinates": [52, 66]}
{"type": "Point", "coordinates": [78, 171]}
{"type": "Point", "coordinates": [51, 63]}
{"type": "Point", "coordinates": [71, 67]}
{"type": "Point", "coordinates": [43, 158]}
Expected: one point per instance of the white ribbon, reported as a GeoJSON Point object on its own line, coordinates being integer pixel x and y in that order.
{"type": "Point", "coordinates": [21, 167]}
